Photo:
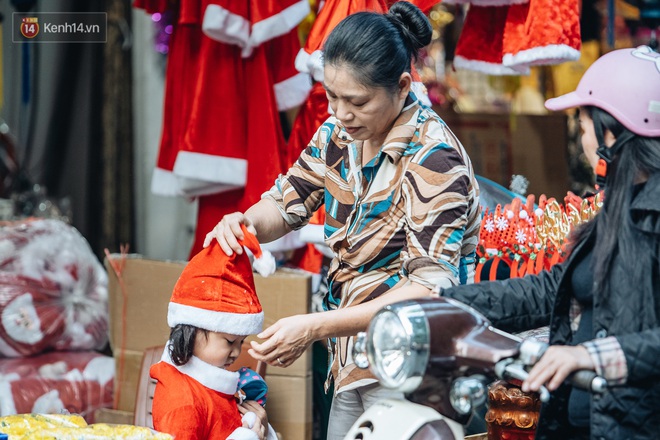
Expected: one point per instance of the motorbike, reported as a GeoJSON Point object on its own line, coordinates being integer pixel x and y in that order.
{"type": "Point", "coordinates": [443, 355]}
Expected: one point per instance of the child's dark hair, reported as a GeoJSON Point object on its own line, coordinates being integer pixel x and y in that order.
{"type": "Point", "coordinates": [182, 342]}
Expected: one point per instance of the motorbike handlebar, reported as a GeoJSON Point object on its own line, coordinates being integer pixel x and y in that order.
{"type": "Point", "coordinates": [588, 380]}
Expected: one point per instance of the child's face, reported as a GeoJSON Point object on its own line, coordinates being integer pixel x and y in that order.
{"type": "Point", "coordinates": [218, 349]}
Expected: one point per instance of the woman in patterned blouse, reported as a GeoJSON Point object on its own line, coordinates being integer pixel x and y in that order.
{"type": "Point", "coordinates": [400, 197]}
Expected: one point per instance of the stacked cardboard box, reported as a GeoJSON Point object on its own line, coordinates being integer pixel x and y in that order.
{"type": "Point", "coordinates": [138, 300]}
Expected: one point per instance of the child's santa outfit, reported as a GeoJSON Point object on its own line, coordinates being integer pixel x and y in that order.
{"type": "Point", "coordinates": [215, 292]}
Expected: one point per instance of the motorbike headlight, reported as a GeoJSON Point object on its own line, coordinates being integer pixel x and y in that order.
{"type": "Point", "coordinates": [398, 345]}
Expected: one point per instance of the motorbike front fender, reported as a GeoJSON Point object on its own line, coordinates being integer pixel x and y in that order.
{"type": "Point", "coordinates": [403, 420]}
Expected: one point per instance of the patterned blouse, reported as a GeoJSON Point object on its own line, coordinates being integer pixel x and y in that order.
{"type": "Point", "coordinates": [410, 214]}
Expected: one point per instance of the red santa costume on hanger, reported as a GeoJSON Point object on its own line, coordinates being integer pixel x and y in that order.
{"type": "Point", "coordinates": [506, 37]}
{"type": "Point", "coordinates": [230, 70]}
{"type": "Point", "coordinates": [215, 292]}
{"type": "Point", "coordinates": [480, 46]}
{"type": "Point", "coordinates": [542, 32]}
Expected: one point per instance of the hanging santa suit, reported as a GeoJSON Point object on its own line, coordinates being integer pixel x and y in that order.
{"type": "Point", "coordinates": [226, 80]}
{"type": "Point", "coordinates": [265, 147]}
{"type": "Point", "coordinates": [480, 46]}
{"type": "Point", "coordinates": [542, 32]}
{"type": "Point", "coordinates": [506, 37]}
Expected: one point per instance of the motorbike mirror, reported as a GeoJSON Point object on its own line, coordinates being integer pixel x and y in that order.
{"type": "Point", "coordinates": [468, 393]}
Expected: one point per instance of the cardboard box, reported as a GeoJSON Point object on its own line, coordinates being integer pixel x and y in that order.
{"type": "Point", "coordinates": [138, 303]}
{"type": "Point", "coordinates": [289, 406]}
{"type": "Point", "coordinates": [113, 416]}
{"type": "Point", "coordinates": [535, 146]}
{"type": "Point", "coordinates": [127, 377]}
{"type": "Point", "coordinates": [138, 314]}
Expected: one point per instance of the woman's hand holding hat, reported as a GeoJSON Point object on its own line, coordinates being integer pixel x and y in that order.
{"type": "Point", "coordinates": [228, 232]}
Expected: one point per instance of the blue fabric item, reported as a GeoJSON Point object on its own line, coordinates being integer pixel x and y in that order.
{"type": "Point", "coordinates": [252, 384]}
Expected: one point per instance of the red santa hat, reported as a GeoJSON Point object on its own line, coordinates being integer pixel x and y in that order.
{"type": "Point", "coordinates": [216, 292]}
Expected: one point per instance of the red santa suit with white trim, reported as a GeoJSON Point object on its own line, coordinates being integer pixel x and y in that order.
{"type": "Point", "coordinates": [230, 70]}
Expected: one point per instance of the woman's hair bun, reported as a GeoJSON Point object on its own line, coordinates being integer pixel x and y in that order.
{"type": "Point", "coordinates": [416, 28]}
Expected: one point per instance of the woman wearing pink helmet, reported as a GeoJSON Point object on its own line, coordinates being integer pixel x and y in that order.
{"type": "Point", "coordinates": [603, 302]}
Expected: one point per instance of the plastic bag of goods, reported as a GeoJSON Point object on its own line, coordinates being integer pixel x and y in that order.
{"type": "Point", "coordinates": [53, 290]}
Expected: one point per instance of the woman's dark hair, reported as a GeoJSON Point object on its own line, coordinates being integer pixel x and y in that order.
{"type": "Point", "coordinates": [618, 237]}
{"type": "Point", "coordinates": [182, 342]}
{"type": "Point", "coordinates": [378, 48]}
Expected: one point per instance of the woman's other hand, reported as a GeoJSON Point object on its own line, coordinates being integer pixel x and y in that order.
{"type": "Point", "coordinates": [286, 340]}
{"type": "Point", "coordinates": [557, 363]}
{"type": "Point", "coordinates": [228, 231]}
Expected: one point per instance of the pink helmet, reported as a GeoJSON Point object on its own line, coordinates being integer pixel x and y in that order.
{"type": "Point", "coordinates": [626, 84]}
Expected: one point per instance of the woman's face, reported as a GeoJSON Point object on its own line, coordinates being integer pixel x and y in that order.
{"type": "Point", "coordinates": [367, 113]}
{"type": "Point", "coordinates": [589, 141]}
{"type": "Point", "coordinates": [218, 349]}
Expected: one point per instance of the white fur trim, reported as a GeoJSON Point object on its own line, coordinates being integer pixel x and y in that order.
{"type": "Point", "coordinates": [315, 65]}
{"type": "Point", "coordinates": [293, 91]}
{"type": "Point", "coordinates": [421, 92]}
{"type": "Point", "coordinates": [221, 25]}
{"type": "Point", "coordinates": [312, 234]}
{"type": "Point", "coordinates": [285, 243]}
{"type": "Point", "coordinates": [310, 63]}
{"type": "Point", "coordinates": [488, 68]}
{"type": "Point", "coordinates": [234, 323]}
{"type": "Point", "coordinates": [276, 25]}
{"type": "Point", "coordinates": [265, 265]}
{"type": "Point", "coordinates": [301, 61]}
{"type": "Point", "coordinates": [164, 183]}
{"type": "Point", "coordinates": [212, 377]}
{"type": "Point", "coordinates": [212, 169]}
{"type": "Point", "coordinates": [194, 188]}
{"type": "Point", "coordinates": [243, 434]}
{"type": "Point", "coordinates": [536, 56]}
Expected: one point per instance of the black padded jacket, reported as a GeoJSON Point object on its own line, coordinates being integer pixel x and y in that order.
{"type": "Point", "coordinates": [629, 411]}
